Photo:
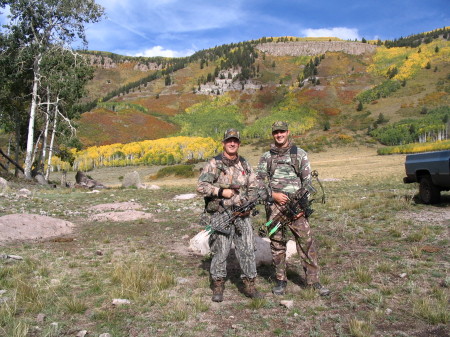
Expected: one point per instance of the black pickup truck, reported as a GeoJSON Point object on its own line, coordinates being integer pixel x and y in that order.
{"type": "Point", "coordinates": [432, 171]}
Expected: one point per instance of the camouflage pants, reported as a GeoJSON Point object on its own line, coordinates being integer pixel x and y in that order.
{"type": "Point", "coordinates": [305, 244]}
{"type": "Point", "coordinates": [220, 244]}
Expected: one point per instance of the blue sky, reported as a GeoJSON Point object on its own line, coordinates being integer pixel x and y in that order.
{"type": "Point", "coordinates": [180, 27]}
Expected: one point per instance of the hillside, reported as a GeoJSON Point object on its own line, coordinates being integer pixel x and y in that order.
{"type": "Point", "coordinates": [323, 78]}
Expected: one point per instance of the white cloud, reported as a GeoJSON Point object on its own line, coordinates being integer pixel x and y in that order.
{"type": "Point", "coordinates": [160, 51]}
{"type": "Point", "coordinates": [340, 32]}
{"type": "Point", "coordinates": [162, 16]}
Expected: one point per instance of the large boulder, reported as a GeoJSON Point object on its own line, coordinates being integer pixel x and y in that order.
{"type": "Point", "coordinates": [199, 244]}
{"type": "Point", "coordinates": [132, 179]}
{"type": "Point", "coordinates": [84, 181]}
{"type": "Point", "coordinates": [3, 184]}
{"type": "Point", "coordinates": [39, 177]}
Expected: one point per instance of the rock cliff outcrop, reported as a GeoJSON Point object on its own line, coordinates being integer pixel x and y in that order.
{"type": "Point", "coordinates": [108, 63]}
{"type": "Point", "coordinates": [310, 48]}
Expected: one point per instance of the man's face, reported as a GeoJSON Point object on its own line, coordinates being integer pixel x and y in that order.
{"type": "Point", "coordinates": [231, 146]}
{"type": "Point", "coordinates": [280, 137]}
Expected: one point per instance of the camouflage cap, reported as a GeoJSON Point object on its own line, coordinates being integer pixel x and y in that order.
{"type": "Point", "coordinates": [283, 126]}
{"type": "Point", "coordinates": [231, 133]}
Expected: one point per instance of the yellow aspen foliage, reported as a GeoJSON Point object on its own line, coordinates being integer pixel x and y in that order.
{"type": "Point", "coordinates": [416, 147]}
{"type": "Point", "coordinates": [409, 60]}
{"type": "Point", "coordinates": [162, 151]}
{"type": "Point", "coordinates": [58, 165]}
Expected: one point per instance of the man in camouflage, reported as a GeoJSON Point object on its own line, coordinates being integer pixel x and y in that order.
{"type": "Point", "coordinates": [227, 182]}
{"type": "Point", "coordinates": [286, 169]}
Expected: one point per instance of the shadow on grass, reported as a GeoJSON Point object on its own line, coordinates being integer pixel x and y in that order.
{"type": "Point", "coordinates": [265, 271]}
{"type": "Point", "coordinates": [444, 201]}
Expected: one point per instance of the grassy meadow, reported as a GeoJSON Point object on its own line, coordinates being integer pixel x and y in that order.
{"type": "Point", "coordinates": [383, 254]}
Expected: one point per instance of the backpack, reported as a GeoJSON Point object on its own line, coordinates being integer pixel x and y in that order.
{"type": "Point", "coordinates": [220, 166]}
{"type": "Point", "coordinates": [271, 165]}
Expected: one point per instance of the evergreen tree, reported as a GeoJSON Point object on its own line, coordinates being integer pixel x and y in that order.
{"type": "Point", "coordinates": [167, 80]}
{"type": "Point", "coordinates": [360, 106]}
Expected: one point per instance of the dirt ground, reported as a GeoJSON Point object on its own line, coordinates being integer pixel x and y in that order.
{"type": "Point", "coordinates": [14, 227]}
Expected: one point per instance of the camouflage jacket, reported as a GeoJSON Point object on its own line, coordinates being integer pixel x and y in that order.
{"type": "Point", "coordinates": [223, 173]}
{"type": "Point", "coordinates": [278, 170]}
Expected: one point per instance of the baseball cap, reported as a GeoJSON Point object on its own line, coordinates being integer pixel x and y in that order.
{"type": "Point", "coordinates": [231, 133]}
{"type": "Point", "coordinates": [283, 126]}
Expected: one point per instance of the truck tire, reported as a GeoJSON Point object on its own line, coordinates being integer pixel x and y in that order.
{"type": "Point", "coordinates": [428, 192]}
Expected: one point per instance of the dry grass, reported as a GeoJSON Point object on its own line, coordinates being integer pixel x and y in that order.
{"type": "Point", "coordinates": [381, 255]}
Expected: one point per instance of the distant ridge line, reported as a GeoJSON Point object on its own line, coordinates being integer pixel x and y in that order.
{"type": "Point", "coordinates": [310, 48]}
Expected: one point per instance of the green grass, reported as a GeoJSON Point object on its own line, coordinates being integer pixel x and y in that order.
{"type": "Point", "coordinates": [369, 232]}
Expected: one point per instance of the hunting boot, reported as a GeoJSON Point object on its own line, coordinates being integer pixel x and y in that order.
{"type": "Point", "coordinates": [279, 288]}
{"type": "Point", "coordinates": [321, 289]}
{"type": "Point", "coordinates": [249, 288]}
{"type": "Point", "coordinates": [218, 288]}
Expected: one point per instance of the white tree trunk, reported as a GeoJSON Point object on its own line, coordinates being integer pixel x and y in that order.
{"type": "Point", "coordinates": [52, 141]}
{"type": "Point", "coordinates": [33, 108]}
{"type": "Point", "coordinates": [47, 122]}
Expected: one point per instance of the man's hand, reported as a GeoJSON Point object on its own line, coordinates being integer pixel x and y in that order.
{"type": "Point", "coordinates": [280, 198]}
{"type": "Point", "coordinates": [227, 193]}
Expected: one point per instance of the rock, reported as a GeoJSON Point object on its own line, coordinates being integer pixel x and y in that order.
{"type": "Point", "coordinates": [199, 244]}
{"type": "Point", "coordinates": [185, 196]}
{"type": "Point", "coordinates": [15, 257]}
{"type": "Point", "coordinates": [40, 179]}
{"type": "Point", "coordinates": [2, 291]}
{"type": "Point", "coordinates": [388, 311]}
{"type": "Point", "coordinates": [131, 179]}
{"type": "Point", "coordinates": [105, 335]}
{"type": "Point", "coordinates": [129, 215]}
{"type": "Point", "coordinates": [86, 182]}
{"type": "Point", "coordinates": [309, 48]}
{"type": "Point", "coordinates": [288, 304]}
{"type": "Point", "coordinates": [291, 249]}
{"type": "Point", "coordinates": [12, 257]}
{"type": "Point", "coordinates": [81, 333]}
{"type": "Point", "coordinates": [120, 301]}
{"type": "Point", "coordinates": [25, 226]}
{"type": "Point", "coordinates": [154, 187]}
{"type": "Point", "coordinates": [40, 318]}
{"type": "Point", "coordinates": [182, 280]}
{"type": "Point", "coordinates": [24, 192]}
{"type": "Point", "coordinates": [185, 237]}
{"type": "Point", "coordinates": [402, 275]}
{"type": "Point", "coordinates": [3, 184]}
{"type": "Point", "coordinates": [263, 254]}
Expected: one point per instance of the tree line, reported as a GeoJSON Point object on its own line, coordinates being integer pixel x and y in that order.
{"type": "Point", "coordinates": [416, 40]}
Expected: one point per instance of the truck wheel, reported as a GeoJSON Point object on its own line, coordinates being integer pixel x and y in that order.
{"type": "Point", "coordinates": [429, 193]}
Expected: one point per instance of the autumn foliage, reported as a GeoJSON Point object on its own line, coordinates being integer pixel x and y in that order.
{"type": "Point", "coordinates": [163, 151]}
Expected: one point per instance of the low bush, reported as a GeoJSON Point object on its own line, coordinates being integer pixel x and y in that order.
{"type": "Point", "coordinates": [182, 171]}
